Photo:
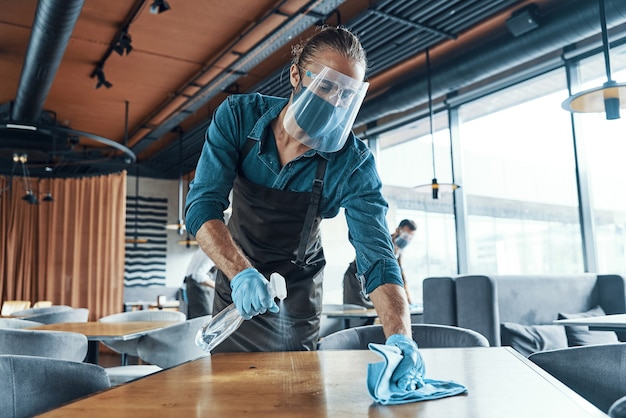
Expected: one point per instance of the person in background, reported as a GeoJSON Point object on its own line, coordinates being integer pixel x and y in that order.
{"type": "Point", "coordinates": [353, 291]}
{"type": "Point", "coordinates": [291, 163]}
{"type": "Point", "coordinates": [200, 285]}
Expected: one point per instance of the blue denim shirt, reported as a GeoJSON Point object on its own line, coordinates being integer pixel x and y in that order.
{"type": "Point", "coordinates": [351, 181]}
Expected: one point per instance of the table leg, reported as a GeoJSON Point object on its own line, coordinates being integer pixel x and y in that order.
{"type": "Point", "coordinates": [93, 350]}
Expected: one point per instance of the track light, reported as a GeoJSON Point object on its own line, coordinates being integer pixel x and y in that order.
{"type": "Point", "coordinates": [102, 81]}
{"type": "Point", "coordinates": [123, 44]}
{"type": "Point", "coordinates": [29, 196]}
{"type": "Point", "coordinates": [159, 6]}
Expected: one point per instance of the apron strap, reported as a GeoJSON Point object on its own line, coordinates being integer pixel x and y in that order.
{"type": "Point", "coordinates": [312, 211]}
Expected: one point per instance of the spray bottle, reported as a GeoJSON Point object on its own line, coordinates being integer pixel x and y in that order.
{"type": "Point", "coordinates": [222, 325]}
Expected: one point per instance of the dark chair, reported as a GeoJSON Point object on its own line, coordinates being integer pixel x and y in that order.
{"type": "Point", "coordinates": [33, 385]}
{"type": "Point", "coordinates": [595, 372]}
{"type": "Point", "coordinates": [618, 408]}
{"type": "Point", "coordinates": [426, 336]}
{"type": "Point", "coordinates": [61, 345]}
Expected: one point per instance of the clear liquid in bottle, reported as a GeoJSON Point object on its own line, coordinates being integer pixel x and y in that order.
{"type": "Point", "coordinates": [222, 325]}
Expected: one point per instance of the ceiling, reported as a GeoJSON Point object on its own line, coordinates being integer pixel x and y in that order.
{"type": "Point", "coordinates": [184, 62]}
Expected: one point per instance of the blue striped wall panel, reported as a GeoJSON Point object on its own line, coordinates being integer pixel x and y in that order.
{"type": "Point", "coordinates": [146, 218]}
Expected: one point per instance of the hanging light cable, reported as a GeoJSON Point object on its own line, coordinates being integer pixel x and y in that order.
{"type": "Point", "coordinates": [29, 196]}
{"type": "Point", "coordinates": [609, 97]}
{"type": "Point", "coordinates": [180, 226]}
{"type": "Point", "coordinates": [435, 186]}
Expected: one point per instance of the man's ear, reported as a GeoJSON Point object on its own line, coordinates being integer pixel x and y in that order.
{"type": "Point", "coordinates": [294, 75]}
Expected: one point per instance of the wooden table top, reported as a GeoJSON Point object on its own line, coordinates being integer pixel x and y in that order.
{"type": "Point", "coordinates": [501, 384]}
{"type": "Point", "coordinates": [609, 322]}
{"type": "Point", "coordinates": [107, 330]}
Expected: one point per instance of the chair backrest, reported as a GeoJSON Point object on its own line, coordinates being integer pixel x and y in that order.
{"type": "Point", "coordinates": [618, 408]}
{"type": "Point", "coordinates": [9, 307]}
{"type": "Point", "coordinates": [425, 335]}
{"type": "Point", "coordinates": [129, 347]}
{"type": "Point", "coordinates": [17, 323]}
{"type": "Point", "coordinates": [24, 313]}
{"type": "Point", "coordinates": [70, 315]}
{"type": "Point", "coordinates": [69, 346]}
{"type": "Point", "coordinates": [33, 385]}
{"type": "Point", "coordinates": [171, 346]}
{"type": "Point", "coordinates": [42, 304]}
{"type": "Point", "coordinates": [595, 372]}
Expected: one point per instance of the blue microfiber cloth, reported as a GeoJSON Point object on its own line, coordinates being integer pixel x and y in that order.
{"type": "Point", "coordinates": [385, 392]}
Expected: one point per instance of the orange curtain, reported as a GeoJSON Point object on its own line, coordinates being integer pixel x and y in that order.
{"type": "Point", "coordinates": [70, 251]}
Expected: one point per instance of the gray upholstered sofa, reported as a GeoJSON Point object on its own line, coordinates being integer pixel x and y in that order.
{"type": "Point", "coordinates": [485, 302]}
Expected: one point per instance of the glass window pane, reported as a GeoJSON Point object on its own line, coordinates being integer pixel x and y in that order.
{"type": "Point", "coordinates": [605, 148]}
{"type": "Point", "coordinates": [406, 161]}
{"type": "Point", "coordinates": [519, 179]}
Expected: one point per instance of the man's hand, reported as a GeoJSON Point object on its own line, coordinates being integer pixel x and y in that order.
{"type": "Point", "coordinates": [409, 375]}
{"type": "Point", "coordinates": [251, 295]}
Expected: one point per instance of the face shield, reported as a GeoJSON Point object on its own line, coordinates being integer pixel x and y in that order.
{"type": "Point", "coordinates": [322, 113]}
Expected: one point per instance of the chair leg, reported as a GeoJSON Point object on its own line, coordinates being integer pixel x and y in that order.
{"type": "Point", "coordinates": [124, 359]}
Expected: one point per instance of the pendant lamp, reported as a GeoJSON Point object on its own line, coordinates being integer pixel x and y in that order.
{"type": "Point", "coordinates": [180, 225]}
{"type": "Point", "coordinates": [434, 185]}
{"type": "Point", "coordinates": [609, 97]}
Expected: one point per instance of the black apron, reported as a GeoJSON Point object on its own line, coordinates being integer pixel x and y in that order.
{"type": "Point", "coordinates": [278, 231]}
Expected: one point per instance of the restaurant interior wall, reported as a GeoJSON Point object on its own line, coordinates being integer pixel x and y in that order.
{"type": "Point", "coordinates": [178, 256]}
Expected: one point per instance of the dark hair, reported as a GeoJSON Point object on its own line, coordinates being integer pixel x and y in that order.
{"type": "Point", "coordinates": [408, 223]}
{"type": "Point", "coordinates": [336, 39]}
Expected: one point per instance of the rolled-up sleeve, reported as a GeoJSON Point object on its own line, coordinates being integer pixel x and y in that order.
{"type": "Point", "coordinates": [208, 191]}
{"type": "Point", "coordinates": [365, 210]}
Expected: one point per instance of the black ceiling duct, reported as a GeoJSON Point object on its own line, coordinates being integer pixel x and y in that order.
{"type": "Point", "coordinates": [52, 28]}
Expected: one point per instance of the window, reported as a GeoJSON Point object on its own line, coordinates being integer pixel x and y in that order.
{"type": "Point", "coordinates": [520, 180]}
{"type": "Point", "coordinates": [604, 145]}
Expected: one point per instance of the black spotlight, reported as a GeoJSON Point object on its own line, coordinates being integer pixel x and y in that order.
{"type": "Point", "coordinates": [48, 197]}
{"type": "Point", "coordinates": [159, 6]}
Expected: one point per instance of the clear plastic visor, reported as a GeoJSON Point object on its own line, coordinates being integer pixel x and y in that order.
{"type": "Point", "coordinates": [323, 111]}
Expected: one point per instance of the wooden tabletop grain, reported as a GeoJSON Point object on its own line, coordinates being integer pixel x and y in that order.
{"type": "Point", "coordinates": [501, 383]}
{"type": "Point", "coordinates": [107, 330]}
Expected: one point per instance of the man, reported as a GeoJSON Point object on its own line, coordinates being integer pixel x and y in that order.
{"type": "Point", "coordinates": [200, 285]}
{"type": "Point", "coordinates": [289, 163]}
{"type": "Point", "coordinates": [353, 292]}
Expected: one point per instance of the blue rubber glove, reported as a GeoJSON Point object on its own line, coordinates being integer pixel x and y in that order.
{"type": "Point", "coordinates": [409, 375]}
{"type": "Point", "coordinates": [251, 295]}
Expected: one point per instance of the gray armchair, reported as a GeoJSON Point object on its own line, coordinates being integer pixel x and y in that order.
{"type": "Point", "coordinates": [41, 310]}
{"type": "Point", "coordinates": [69, 346]}
{"type": "Point", "coordinates": [595, 372]}
{"type": "Point", "coordinates": [162, 349]}
{"type": "Point", "coordinates": [484, 302]}
{"type": "Point", "coordinates": [425, 335]}
{"type": "Point", "coordinates": [33, 385]}
{"type": "Point", "coordinates": [129, 347]}
{"type": "Point", "coordinates": [69, 315]}
{"type": "Point", "coordinates": [17, 323]}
